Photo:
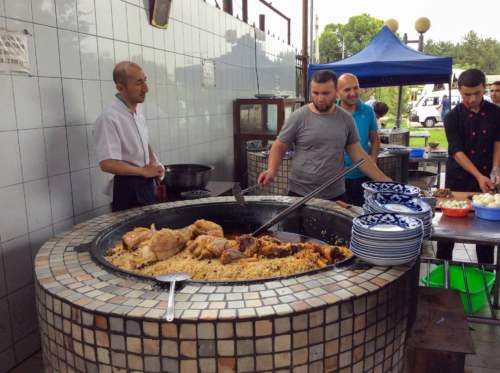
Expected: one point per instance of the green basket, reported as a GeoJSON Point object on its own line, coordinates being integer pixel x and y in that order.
{"type": "Point", "coordinates": [475, 284]}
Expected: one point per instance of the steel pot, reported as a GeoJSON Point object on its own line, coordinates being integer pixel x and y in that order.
{"type": "Point", "coordinates": [182, 177]}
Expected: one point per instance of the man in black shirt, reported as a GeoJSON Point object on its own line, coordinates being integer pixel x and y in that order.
{"type": "Point", "coordinates": [473, 133]}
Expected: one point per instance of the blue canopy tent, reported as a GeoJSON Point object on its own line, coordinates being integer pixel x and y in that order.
{"type": "Point", "coordinates": [386, 61]}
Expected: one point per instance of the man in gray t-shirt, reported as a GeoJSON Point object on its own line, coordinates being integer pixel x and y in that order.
{"type": "Point", "coordinates": [320, 131]}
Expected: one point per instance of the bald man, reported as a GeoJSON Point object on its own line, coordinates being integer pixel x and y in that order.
{"type": "Point", "coordinates": [366, 123]}
{"type": "Point", "coordinates": [122, 143]}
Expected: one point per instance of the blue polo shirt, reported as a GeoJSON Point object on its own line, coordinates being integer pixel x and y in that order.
{"type": "Point", "coordinates": [365, 120]}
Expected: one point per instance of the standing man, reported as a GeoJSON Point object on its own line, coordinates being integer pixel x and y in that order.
{"type": "Point", "coordinates": [445, 107]}
{"type": "Point", "coordinates": [473, 133]}
{"type": "Point", "coordinates": [320, 131]}
{"type": "Point", "coordinates": [122, 143]}
{"type": "Point", "coordinates": [366, 123]}
{"type": "Point", "coordinates": [495, 92]}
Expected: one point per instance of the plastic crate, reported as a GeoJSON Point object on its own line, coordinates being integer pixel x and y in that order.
{"type": "Point", "coordinates": [474, 281]}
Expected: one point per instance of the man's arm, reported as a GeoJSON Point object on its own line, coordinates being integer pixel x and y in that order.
{"type": "Point", "coordinates": [122, 168]}
{"type": "Point", "coordinates": [369, 168]}
{"type": "Point", "coordinates": [495, 171]}
{"type": "Point", "coordinates": [375, 144]}
{"type": "Point", "coordinates": [276, 154]}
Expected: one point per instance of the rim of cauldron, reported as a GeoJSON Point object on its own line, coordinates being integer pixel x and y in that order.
{"type": "Point", "coordinates": [188, 167]}
{"type": "Point", "coordinates": [96, 251]}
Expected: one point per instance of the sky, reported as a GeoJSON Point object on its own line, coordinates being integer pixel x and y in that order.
{"type": "Point", "coordinates": [450, 20]}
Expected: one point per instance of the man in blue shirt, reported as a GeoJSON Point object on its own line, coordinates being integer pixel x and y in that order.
{"type": "Point", "coordinates": [364, 117]}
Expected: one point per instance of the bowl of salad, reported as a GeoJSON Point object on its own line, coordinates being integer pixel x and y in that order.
{"type": "Point", "coordinates": [455, 208]}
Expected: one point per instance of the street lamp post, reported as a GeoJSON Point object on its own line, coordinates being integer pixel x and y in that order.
{"type": "Point", "coordinates": [422, 25]}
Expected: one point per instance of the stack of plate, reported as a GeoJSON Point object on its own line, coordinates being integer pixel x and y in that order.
{"type": "Point", "coordinates": [401, 204]}
{"type": "Point", "coordinates": [371, 187]}
{"type": "Point", "coordinates": [386, 239]}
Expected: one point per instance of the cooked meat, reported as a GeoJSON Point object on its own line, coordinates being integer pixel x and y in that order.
{"type": "Point", "coordinates": [207, 247]}
{"type": "Point", "coordinates": [247, 244]}
{"type": "Point", "coordinates": [144, 256]}
{"type": "Point", "coordinates": [202, 226]}
{"type": "Point", "coordinates": [270, 247]}
{"type": "Point", "coordinates": [168, 242]}
{"type": "Point", "coordinates": [230, 255]}
{"type": "Point", "coordinates": [133, 238]}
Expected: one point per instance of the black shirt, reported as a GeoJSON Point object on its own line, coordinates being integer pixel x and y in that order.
{"type": "Point", "coordinates": [475, 135]}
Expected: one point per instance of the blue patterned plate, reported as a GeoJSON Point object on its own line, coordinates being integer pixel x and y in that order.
{"type": "Point", "coordinates": [387, 223]}
{"type": "Point", "coordinates": [391, 187]}
{"type": "Point", "coordinates": [399, 203]}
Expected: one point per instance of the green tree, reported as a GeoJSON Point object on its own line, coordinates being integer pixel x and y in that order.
{"type": "Point", "coordinates": [349, 38]}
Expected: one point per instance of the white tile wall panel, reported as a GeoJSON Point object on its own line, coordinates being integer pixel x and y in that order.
{"type": "Point", "coordinates": [56, 149]}
{"type": "Point", "coordinates": [9, 149]}
{"type": "Point", "coordinates": [158, 38]}
{"type": "Point", "coordinates": [133, 24]}
{"type": "Point", "coordinates": [61, 202]}
{"type": "Point", "coordinates": [5, 328]}
{"type": "Point", "coordinates": [8, 121]}
{"type": "Point", "coordinates": [91, 145]}
{"type": "Point", "coordinates": [38, 204]}
{"type": "Point", "coordinates": [69, 50]}
{"type": "Point", "coordinates": [2, 9]}
{"type": "Point", "coordinates": [99, 181]}
{"type": "Point", "coordinates": [146, 29]}
{"type": "Point", "coordinates": [27, 101]}
{"type": "Point", "coordinates": [16, 255]}
{"type": "Point", "coordinates": [23, 319]}
{"type": "Point", "coordinates": [89, 56]}
{"type": "Point", "coordinates": [179, 30]}
{"type": "Point", "coordinates": [169, 36]}
{"type": "Point", "coordinates": [38, 238]}
{"type": "Point", "coordinates": [15, 223]}
{"type": "Point", "coordinates": [106, 58]}
{"type": "Point", "coordinates": [3, 291]}
{"type": "Point", "coordinates": [104, 18]}
{"type": "Point", "coordinates": [67, 14]}
{"type": "Point", "coordinates": [121, 51]}
{"type": "Point", "coordinates": [135, 52]}
{"type": "Point", "coordinates": [19, 9]}
{"type": "Point", "coordinates": [63, 226]}
{"type": "Point", "coordinates": [47, 50]}
{"type": "Point", "coordinates": [27, 346]}
{"type": "Point", "coordinates": [51, 100]}
{"type": "Point", "coordinates": [81, 191]}
{"type": "Point", "coordinates": [108, 91]}
{"type": "Point", "coordinates": [119, 16]}
{"type": "Point", "coordinates": [86, 16]}
{"type": "Point", "coordinates": [44, 12]}
{"type": "Point", "coordinates": [92, 100]}
{"type": "Point", "coordinates": [73, 102]}
{"type": "Point", "coordinates": [32, 148]}
{"type": "Point", "coordinates": [77, 148]}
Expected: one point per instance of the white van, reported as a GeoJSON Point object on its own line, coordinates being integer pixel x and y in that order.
{"type": "Point", "coordinates": [427, 110]}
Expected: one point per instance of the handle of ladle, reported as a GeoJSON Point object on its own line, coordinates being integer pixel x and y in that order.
{"type": "Point", "coordinates": [171, 302]}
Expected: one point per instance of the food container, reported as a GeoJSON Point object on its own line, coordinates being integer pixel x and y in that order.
{"type": "Point", "coordinates": [487, 213]}
{"type": "Point", "coordinates": [475, 284]}
{"type": "Point", "coordinates": [417, 152]}
{"type": "Point", "coordinates": [182, 177]}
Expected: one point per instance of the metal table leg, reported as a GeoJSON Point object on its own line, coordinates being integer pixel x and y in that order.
{"type": "Point", "coordinates": [496, 288]}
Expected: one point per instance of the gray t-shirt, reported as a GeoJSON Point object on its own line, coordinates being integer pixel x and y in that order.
{"type": "Point", "coordinates": [320, 140]}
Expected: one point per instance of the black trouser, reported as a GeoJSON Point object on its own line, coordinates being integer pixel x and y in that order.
{"type": "Point", "coordinates": [354, 191]}
{"type": "Point", "coordinates": [338, 198]}
{"type": "Point", "coordinates": [132, 191]}
{"type": "Point", "coordinates": [484, 253]}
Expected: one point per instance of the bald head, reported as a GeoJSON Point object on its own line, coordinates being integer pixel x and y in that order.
{"type": "Point", "coordinates": [130, 82]}
{"type": "Point", "coordinates": [348, 91]}
{"type": "Point", "coordinates": [121, 71]}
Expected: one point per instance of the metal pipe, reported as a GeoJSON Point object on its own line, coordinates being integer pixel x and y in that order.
{"type": "Point", "coordinates": [262, 22]}
{"type": "Point", "coordinates": [446, 274]}
{"type": "Point", "coordinates": [496, 288]}
{"type": "Point", "coordinates": [311, 23]}
{"type": "Point", "coordinates": [398, 112]}
{"type": "Point", "coordinates": [305, 88]}
{"type": "Point", "coordinates": [467, 293]}
{"type": "Point", "coordinates": [488, 295]}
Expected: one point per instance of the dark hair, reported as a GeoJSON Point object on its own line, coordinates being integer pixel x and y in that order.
{"type": "Point", "coordinates": [471, 78]}
{"type": "Point", "coordinates": [323, 76]}
{"type": "Point", "coordinates": [380, 108]}
{"type": "Point", "coordinates": [496, 82]}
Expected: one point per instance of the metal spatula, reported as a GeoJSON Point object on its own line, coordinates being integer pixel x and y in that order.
{"type": "Point", "coordinates": [238, 193]}
{"type": "Point", "coordinates": [305, 199]}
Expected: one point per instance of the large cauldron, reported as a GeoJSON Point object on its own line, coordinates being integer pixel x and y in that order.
{"type": "Point", "coordinates": [311, 221]}
{"type": "Point", "coordinates": [182, 177]}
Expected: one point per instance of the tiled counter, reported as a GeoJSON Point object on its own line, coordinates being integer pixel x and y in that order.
{"type": "Point", "coordinates": [350, 319]}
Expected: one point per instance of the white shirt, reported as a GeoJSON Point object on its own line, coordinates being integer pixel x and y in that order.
{"type": "Point", "coordinates": [122, 135]}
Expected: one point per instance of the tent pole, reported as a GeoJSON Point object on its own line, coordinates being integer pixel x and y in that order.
{"type": "Point", "coordinates": [398, 112]}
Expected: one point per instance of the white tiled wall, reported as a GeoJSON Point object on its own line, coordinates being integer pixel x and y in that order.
{"type": "Point", "coordinates": [49, 176]}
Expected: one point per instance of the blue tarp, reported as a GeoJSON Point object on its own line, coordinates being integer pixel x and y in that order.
{"type": "Point", "coordinates": [386, 61]}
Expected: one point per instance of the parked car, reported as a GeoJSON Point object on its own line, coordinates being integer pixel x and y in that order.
{"type": "Point", "coordinates": [427, 109]}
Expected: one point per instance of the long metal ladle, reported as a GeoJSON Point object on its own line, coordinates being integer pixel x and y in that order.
{"type": "Point", "coordinates": [172, 278]}
{"type": "Point", "coordinates": [275, 219]}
